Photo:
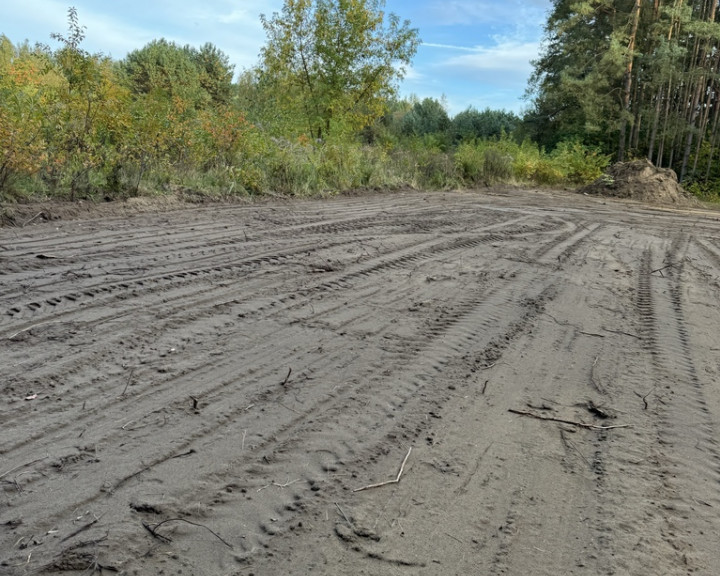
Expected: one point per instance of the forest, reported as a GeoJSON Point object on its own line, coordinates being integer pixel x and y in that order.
{"type": "Point", "coordinates": [320, 113]}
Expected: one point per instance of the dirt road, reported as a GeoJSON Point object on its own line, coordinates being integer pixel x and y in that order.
{"type": "Point", "coordinates": [205, 391]}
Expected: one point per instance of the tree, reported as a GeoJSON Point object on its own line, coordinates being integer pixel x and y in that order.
{"type": "Point", "coordinates": [637, 77]}
{"type": "Point", "coordinates": [22, 79]}
{"type": "Point", "coordinates": [167, 70]}
{"type": "Point", "coordinates": [426, 117]}
{"type": "Point", "coordinates": [576, 81]}
{"type": "Point", "coordinates": [215, 71]}
{"type": "Point", "coordinates": [472, 124]}
{"type": "Point", "coordinates": [331, 65]}
{"type": "Point", "coordinates": [84, 117]}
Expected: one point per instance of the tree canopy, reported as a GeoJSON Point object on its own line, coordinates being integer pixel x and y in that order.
{"type": "Point", "coordinates": [198, 76]}
{"type": "Point", "coordinates": [637, 77]}
{"type": "Point", "coordinates": [331, 65]}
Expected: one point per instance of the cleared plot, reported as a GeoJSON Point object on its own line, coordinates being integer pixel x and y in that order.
{"type": "Point", "coordinates": [204, 391]}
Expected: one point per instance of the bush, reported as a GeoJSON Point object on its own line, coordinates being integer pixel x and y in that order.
{"type": "Point", "coordinates": [578, 163]}
{"type": "Point", "coordinates": [469, 161]}
{"type": "Point", "coordinates": [497, 167]}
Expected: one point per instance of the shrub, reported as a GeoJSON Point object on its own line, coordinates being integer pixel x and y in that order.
{"type": "Point", "coordinates": [497, 166]}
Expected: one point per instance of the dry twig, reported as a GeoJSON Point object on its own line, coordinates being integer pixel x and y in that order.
{"type": "Point", "coordinates": [132, 371]}
{"type": "Point", "coordinates": [564, 421]}
{"type": "Point", "coordinates": [156, 534]}
{"type": "Point", "coordinates": [395, 481]}
{"type": "Point", "coordinates": [22, 466]}
{"type": "Point", "coordinates": [31, 220]}
{"type": "Point", "coordinates": [345, 516]}
{"type": "Point", "coordinates": [644, 398]}
{"type": "Point", "coordinates": [81, 529]}
{"type": "Point", "coordinates": [663, 268]}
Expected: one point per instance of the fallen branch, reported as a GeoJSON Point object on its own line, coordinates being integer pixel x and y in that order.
{"type": "Point", "coordinates": [345, 516]}
{"type": "Point", "coordinates": [644, 398]}
{"type": "Point", "coordinates": [157, 535]}
{"type": "Point", "coordinates": [288, 408]}
{"type": "Point", "coordinates": [564, 421]}
{"type": "Point", "coordinates": [22, 466]}
{"type": "Point", "coordinates": [132, 371]}
{"type": "Point", "coordinates": [81, 529]}
{"type": "Point", "coordinates": [31, 219]}
{"type": "Point", "coordinates": [290, 483]}
{"type": "Point", "coordinates": [161, 537]}
{"type": "Point", "coordinates": [663, 268]}
{"type": "Point", "coordinates": [623, 333]}
{"type": "Point", "coordinates": [395, 481]}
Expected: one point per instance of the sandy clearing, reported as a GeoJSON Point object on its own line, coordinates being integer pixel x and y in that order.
{"type": "Point", "coordinates": [237, 372]}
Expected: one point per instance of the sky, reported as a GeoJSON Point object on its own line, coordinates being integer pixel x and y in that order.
{"type": "Point", "coordinates": [474, 52]}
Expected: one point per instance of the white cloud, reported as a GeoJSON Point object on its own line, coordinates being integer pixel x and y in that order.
{"type": "Point", "coordinates": [468, 12]}
{"type": "Point", "coordinates": [449, 47]}
{"type": "Point", "coordinates": [233, 17]}
{"type": "Point", "coordinates": [118, 28]}
{"type": "Point", "coordinates": [412, 74]}
{"type": "Point", "coordinates": [508, 55]}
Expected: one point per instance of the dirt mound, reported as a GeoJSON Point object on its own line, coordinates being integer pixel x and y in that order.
{"type": "Point", "coordinates": [642, 181]}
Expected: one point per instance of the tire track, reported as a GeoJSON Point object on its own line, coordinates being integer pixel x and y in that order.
{"type": "Point", "coordinates": [253, 397]}
{"type": "Point", "coordinates": [335, 406]}
{"type": "Point", "coordinates": [685, 450]}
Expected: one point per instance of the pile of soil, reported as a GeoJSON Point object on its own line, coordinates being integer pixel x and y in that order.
{"type": "Point", "coordinates": [642, 181]}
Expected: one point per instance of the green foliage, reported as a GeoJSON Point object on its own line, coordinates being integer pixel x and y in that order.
{"type": "Point", "coordinates": [168, 118]}
{"type": "Point", "coordinates": [329, 66]}
{"type": "Point", "coordinates": [426, 117]}
{"type": "Point", "coordinates": [22, 147]}
{"type": "Point", "coordinates": [633, 78]}
{"type": "Point", "coordinates": [472, 124]}
{"type": "Point", "coordinates": [215, 72]}
{"type": "Point", "coordinates": [166, 70]}
{"type": "Point", "coordinates": [489, 162]}
{"type": "Point", "coordinates": [497, 167]}
{"type": "Point", "coordinates": [82, 115]}
{"type": "Point", "coordinates": [470, 162]}
{"type": "Point", "coordinates": [579, 164]}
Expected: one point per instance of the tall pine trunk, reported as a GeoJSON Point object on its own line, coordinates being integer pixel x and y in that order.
{"type": "Point", "coordinates": [628, 80]}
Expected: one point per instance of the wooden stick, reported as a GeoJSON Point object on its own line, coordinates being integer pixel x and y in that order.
{"type": "Point", "coordinates": [31, 219]}
{"type": "Point", "coordinates": [663, 268]}
{"type": "Point", "coordinates": [154, 532]}
{"type": "Point", "coordinates": [30, 328]}
{"type": "Point", "coordinates": [81, 529]}
{"type": "Point", "coordinates": [345, 516]}
{"type": "Point", "coordinates": [132, 371]}
{"type": "Point", "coordinates": [22, 466]}
{"type": "Point", "coordinates": [564, 421]}
{"type": "Point", "coordinates": [644, 398]}
{"type": "Point", "coordinates": [623, 333]}
{"type": "Point", "coordinates": [395, 481]}
{"type": "Point", "coordinates": [288, 408]}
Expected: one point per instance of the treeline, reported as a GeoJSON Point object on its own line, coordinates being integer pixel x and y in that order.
{"type": "Point", "coordinates": [315, 115]}
{"type": "Point", "coordinates": [639, 78]}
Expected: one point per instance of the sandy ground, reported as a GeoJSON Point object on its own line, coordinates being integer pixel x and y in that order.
{"type": "Point", "coordinates": [204, 391]}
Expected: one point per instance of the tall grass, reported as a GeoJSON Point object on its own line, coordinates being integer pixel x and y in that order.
{"type": "Point", "coordinates": [302, 168]}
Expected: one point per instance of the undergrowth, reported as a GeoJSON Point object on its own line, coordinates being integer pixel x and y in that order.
{"type": "Point", "coordinates": [303, 168]}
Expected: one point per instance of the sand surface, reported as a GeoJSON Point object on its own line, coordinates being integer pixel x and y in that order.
{"type": "Point", "coordinates": [203, 391]}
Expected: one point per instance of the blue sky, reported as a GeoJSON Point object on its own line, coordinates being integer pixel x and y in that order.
{"type": "Point", "coordinates": [474, 52]}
